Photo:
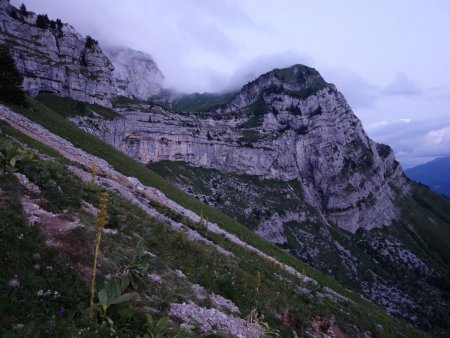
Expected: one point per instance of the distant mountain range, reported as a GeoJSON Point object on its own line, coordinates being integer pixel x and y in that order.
{"type": "Point", "coordinates": [435, 174]}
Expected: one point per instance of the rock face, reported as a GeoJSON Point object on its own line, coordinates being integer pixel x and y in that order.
{"type": "Point", "coordinates": [56, 59]}
{"type": "Point", "coordinates": [136, 74]}
{"type": "Point", "coordinates": [288, 124]}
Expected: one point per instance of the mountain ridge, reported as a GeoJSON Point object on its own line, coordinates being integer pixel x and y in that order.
{"type": "Point", "coordinates": [434, 174]}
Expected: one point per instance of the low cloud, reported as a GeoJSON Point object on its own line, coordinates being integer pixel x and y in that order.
{"type": "Point", "coordinates": [401, 85]}
{"type": "Point", "coordinates": [437, 137]}
{"type": "Point", "coordinates": [377, 124]}
{"type": "Point", "coordinates": [358, 91]}
{"type": "Point", "coordinates": [414, 142]}
{"type": "Point", "coordinates": [205, 79]}
{"type": "Point", "coordinates": [253, 68]}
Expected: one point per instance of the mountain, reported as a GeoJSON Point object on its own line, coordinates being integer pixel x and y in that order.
{"type": "Point", "coordinates": [173, 255]}
{"type": "Point", "coordinates": [259, 212]}
{"type": "Point", "coordinates": [58, 60]}
{"type": "Point", "coordinates": [55, 58]}
{"type": "Point", "coordinates": [136, 74]}
{"type": "Point", "coordinates": [287, 157]}
{"type": "Point", "coordinates": [434, 174]}
{"type": "Point", "coordinates": [299, 128]}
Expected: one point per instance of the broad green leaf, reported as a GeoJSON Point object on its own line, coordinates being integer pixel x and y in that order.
{"type": "Point", "coordinates": [16, 158]}
{"type": "Point", "coordinates": [162, 323]}
{"type": "Point", "coordinates": [102, 296]}
{"type": "Point", "coordinates": [140, 249]}
{"type": "Point", "coordinates": [121, 299]}
{"type": "Point", "coordinates": [125, 282]}
{"type": "Point", "coordinates": [112, 289]}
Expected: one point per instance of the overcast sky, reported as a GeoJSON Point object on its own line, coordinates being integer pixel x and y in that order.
{"type": "Point", "coordinates": [391, 59]}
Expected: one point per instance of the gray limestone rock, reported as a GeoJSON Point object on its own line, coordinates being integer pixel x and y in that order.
{"type": "Point", "coordinates": [288, 125]}
{"type": "Point", "coordinates": [136, 74]}
{"type": "Point", "coordinates": [56, 60]}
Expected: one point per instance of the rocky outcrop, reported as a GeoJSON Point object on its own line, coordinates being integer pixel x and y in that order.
{"type": "Point", "coordinates": [136, 74]}
{"type": "Point", "coordinates": [56, 59]}
{"type": "Point", "coordinates": [289, 124]}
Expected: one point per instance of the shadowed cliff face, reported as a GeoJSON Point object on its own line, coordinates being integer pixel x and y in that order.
{"type": "Point", "coordinates": [288, 124]}
{"type": "Point", "coordinates": [56, 59]}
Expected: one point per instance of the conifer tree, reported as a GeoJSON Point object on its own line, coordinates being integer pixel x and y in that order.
{"type": "Point", "coordinates": [23, 10]}
{"type": "Point", "coordinates": [10, 78]}
{"type": "Point", "coordinates": [42, 21]}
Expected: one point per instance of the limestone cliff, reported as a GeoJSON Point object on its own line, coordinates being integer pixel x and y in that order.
{"type": "Point", "coordinates": [288, 124]}
{"type": "Point", "coordinates": [136, 74]}
{"type": "Point", "coordinates": [55, 58]}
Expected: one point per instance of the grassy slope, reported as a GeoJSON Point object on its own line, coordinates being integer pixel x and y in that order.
{"type": "Point", "coordinates": [199, 102]}
{"type": "Point", "coordinates": [70, 107]}
{"type": "Point", "coordinates": [427, 213]}
{"type": "Point", "coordinates": [233, 278]}
{"type": "Point", "coordinates": [59, 125]}
{"type": "Point", "coordinates": [121, 162]}
{"type": "Point", "coordinates": [229, 191]}
{"type": "Point", "coordinates": [430, 213]}
{"type": "Point", "coordinates": [19, 242]}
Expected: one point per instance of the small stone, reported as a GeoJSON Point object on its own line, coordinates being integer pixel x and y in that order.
{"type": "Point", "coordinates": [37, 256]}
{"type": "Point", "coordinates": [14, 283]}
{"type": "Point", "coordinates": [18, 326]}
{"type": "Point", "coordinates": [37, 267]}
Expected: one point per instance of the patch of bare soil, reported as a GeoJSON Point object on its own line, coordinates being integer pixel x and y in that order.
{"type": "Point", "coordinates": [63, 232]}
{"type": "Point", "coordinates": [327, 327]}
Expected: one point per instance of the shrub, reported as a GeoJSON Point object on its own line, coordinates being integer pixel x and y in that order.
{"type": "Point", "coordinates": [23, 10]}
{"type": "Point", "coordinates": [90, 43]}
{"type": "Point", "coordinates": [59, 24]}
{"type": "Point", "coordinates": [11, 155]}
{"type": "Point", "coordinates": [42, 21]}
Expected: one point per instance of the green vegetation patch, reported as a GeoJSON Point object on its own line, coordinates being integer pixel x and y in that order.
{"type": "Point", "coordinates": [69, 107]}
{"type": "Point", "coordinates": [251, 199]}
{"type": "Point", "coordinates": [197, 102]}
{"type": "Point", "coordinates": [39, 291]}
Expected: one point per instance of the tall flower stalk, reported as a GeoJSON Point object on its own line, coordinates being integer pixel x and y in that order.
{"type": "Point", "coordinates": [101, 222]}
{"type": "Point", "coordinates": [93, 172]}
